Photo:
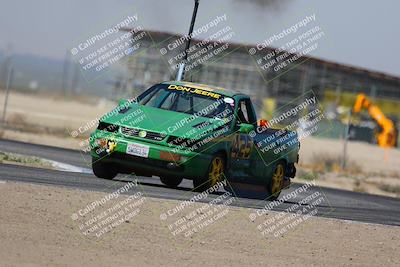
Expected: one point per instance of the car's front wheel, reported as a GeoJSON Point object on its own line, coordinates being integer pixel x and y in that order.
{"type": "Point", "coordinates": [103, 170]}
{"type": "Point", "coordinates": [215, 174]}
{"type": "Point", "coordinates": [171, 181]}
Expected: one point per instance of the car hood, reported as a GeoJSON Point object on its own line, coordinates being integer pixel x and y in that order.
{"type": "Point", "coordinates": [161, 121]}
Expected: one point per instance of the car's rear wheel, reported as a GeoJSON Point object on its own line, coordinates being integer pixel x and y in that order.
{"type": "Point", "coordinates": [215, 174]}
{"type": "Point", "coordinates": [103, 170]}
{"type": "Point", "coordinates": [276, 184]}
{"type": "Point", "coordinates": [171, 181]}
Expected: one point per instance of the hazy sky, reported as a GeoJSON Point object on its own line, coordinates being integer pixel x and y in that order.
{"type": "Point", "coordinates": [361, 33]}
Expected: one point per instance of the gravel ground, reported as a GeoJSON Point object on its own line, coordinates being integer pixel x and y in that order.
{"type": "Point", "coordinates": [36, 229]}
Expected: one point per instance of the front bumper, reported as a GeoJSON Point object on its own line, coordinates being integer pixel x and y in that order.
{"type": "Point", "coordinates": [191, 166]}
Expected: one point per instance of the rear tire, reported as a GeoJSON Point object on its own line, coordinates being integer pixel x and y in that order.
{"type": "Point", "coordinates": [103, 170]}
{"type": "Point", "coordinates": [171, 181]}
{"type": "Point", "coordinates": [276, 183]}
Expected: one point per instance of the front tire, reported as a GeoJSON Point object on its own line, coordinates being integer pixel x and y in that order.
{"type": "Point", "coordinates": [170, 181]}
{"type": "Point", "coordinates": [215, 174]}
{"type": "Point", "coordinates": [103, 170]}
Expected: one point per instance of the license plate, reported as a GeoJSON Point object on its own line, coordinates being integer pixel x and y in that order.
{"type": "Point", "coordinates": [138, 150]}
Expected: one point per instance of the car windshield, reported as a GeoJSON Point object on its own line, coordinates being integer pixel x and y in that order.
{"type": "Point", "coordinates": [187, 100]}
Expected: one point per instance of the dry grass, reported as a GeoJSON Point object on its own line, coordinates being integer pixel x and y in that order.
{"type": "Point", "coordinates": [390, 188]}
{"type": "Point", "coordinates": [322, 163]}
{"type": "Point", "coordinates": [306, 175]}
{"type": "Point", "coordinates": [17, 121]}
{"type": "Point", "coordinates": [32, 161]}
{"type": "Point", "coordinates": [359, 187]}
{"type": "Point", "coordinates": [390, 174]}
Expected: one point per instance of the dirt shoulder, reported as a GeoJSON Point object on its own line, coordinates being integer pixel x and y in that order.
{"type": "Point", "coordinates": [36, 229]}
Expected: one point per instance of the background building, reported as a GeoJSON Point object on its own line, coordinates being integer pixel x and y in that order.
{"type": "Point", "coordinates": [235, 69]}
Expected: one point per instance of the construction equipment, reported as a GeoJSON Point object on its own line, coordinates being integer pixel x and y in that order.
{"type": "Point", "coordinates": [387, 135]}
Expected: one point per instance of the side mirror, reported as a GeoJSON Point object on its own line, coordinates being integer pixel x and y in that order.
{"type": "Point", "coordinates": [246, 128]}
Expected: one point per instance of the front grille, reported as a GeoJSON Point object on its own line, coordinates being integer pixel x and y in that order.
{"type": "Point", "coordinates": [134, 132]}
{"type": "Point", "coordinates": [129, 131]}
{"type": "Point", "coordinates": [104, 126]}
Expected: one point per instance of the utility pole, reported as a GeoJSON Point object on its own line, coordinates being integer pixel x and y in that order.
{"type": "Point", "coordinates": [65, 74]}
{"type": "Point", "coordinates": [346, 139]}
{"type": "Point", "coordinates": [181, 72]}
{"type": "Point", "coordinates": [75, 80]}
{"type": "Point", "coordinates": [6, 64]}
{"type": "Point", "coordinates": [8, 85]}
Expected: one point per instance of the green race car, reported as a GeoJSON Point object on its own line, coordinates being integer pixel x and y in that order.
{"type": "Point", "coordinates": [178, 130]}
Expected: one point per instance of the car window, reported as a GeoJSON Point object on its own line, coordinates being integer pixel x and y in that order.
{"type": "Point", "coordinates": [251, 116]}
{"type": "Point", "coordinates": [187, 102]}
{"type": "Point", "coordinates": [245, 112]}
{"type": "Point", "coordinates": [152, 98]}
{"type": "Point", "coordinates": [243, 116]}
{"type": "Point", "coordinates": [168, 101]}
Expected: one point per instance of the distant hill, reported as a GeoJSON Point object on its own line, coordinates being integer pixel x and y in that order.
{"type": "Point", "coordinates": [48, 74]}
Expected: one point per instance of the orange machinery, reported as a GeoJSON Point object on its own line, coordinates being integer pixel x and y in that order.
{"type": "Point", "coordinates": [387, 136]}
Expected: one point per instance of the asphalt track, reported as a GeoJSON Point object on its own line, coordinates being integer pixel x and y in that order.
{"type": "Point", "coordinates": [337, 204]}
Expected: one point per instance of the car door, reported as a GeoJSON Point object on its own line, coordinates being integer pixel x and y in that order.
{"type": "Point", "coordinates": [242, 148]}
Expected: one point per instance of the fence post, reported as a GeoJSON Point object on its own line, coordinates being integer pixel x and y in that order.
{"type": "Point", "coordinates": [8, 85]}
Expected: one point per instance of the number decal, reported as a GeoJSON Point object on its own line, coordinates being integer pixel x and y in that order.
{"type": "Point", "coordinates": [241, 146]}
{"type": "Point", "coordinates": [235, 146]}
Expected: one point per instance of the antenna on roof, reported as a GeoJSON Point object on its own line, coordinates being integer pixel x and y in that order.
{"type": "Point", "coordinates": [181, 71]}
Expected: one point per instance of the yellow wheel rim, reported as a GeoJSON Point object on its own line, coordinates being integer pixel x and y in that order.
{"type": "Point", "coordinates": [216, 171]}
{"type": "Point", "coordinates": [277, 179]}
